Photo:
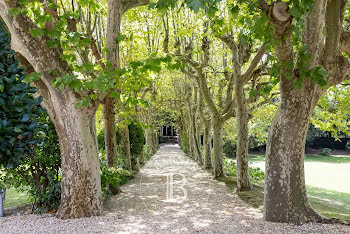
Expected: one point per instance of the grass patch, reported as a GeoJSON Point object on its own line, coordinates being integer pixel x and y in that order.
{"type": "Point", "coordinates": [328, 202]}
{"type": "Point", "coordinates": [308, 158]}
{"type": "Point", "coordinates": [15, 198]}
{"type": "Point", "coordinates": [332, 204]}
{"type": "Point", "coordinates": [254, 198]}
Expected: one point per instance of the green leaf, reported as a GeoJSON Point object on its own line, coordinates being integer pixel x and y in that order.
{"type": "Point", "coordinates": [120, 38]}
{"type": "Point", "coordinates": [17, 130]}
{"type": "Point", "coordinates": [14, 11]}
{"type": "Point", "coordinates": [33, 77]}
{"type": "Point", "coordinates": [36, 32]}
{"type": "Point", "coordinates": [195, 5]}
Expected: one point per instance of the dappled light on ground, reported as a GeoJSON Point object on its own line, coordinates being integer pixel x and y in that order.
{"type": "Point", "coordinates": [171, 194]}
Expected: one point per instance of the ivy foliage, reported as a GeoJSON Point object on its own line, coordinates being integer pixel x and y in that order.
{"type": "Point", "coordinates": [19, 109]}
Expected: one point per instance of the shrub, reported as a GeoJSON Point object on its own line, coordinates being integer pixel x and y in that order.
{"type": "Point", "coordinates": [146, 153]}
{"type": "Point", "coordinates": [255, 173]}
{"type": "Point", "coordinates": [326, 152]}
{"type": "Point", "coordinates": [19, 108]}
{"type": "Point", "coordinates": [101, 139]}
{"type": "Point", "coordinates": [112, 177]}
{"type": "Point", "coordinates": [229, 148]}
{"type": "Point", "coordinates": [40, 171]}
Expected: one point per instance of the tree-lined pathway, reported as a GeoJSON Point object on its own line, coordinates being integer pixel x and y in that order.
{"type": "Point", "coordinates": [171, 194]}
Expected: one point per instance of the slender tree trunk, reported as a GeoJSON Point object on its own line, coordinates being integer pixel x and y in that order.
{"type": "Point", "coordinates": [207, 146]}
{"type": "Point", "coordinates": [197, 153]}
{"type": "Point", "coordinates": [217, 148]}
{"type": "Point", "coordinates": [142, 158]}
{"type": "Point", "coordinates": [156, 140]}
{"type": "Point", "coordinates": [110, 132]}
{"type": "Point", "coordinates": [150, 140]}
{"type": "Point", "coordinates": [113, 30]}
{"type": "Point", "coordinates": [125, 145]}
{"type": "Point", "coordinates": [242, 118]}
{"type": "Point", "coordinates": [189, 141]}
{"type": "Point", "coordinates": [179, 136]}
{"type": "Point", "coordinates": [81, 185]}
{"type": "Point", "coordinates": [285, 193]}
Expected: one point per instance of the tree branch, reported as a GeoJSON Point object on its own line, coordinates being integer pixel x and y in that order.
{"type": "Point", "coordinates": [345, 42]}
{"type": "Point", "coordinates": [248, 74]}
{"type": "Point", "coordinates": [264, 6]}
{"type": "Point", "coordinates": [334, 18]}
{"type": "Point", "coordinates": [129, 4]}
{"type": "Point", "coordinates": [33, 49]}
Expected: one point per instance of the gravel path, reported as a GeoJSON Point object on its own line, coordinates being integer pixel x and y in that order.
{"type": "Point", "coordinates": [171, 194]}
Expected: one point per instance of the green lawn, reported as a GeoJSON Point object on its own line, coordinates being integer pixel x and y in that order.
{"type": "Point", "coordinates": [328, 183]}
{"type": "Point", "coordinates": [15, 198]}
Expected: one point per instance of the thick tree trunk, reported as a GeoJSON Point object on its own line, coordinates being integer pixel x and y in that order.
{"type": "Point", "coordinates": [110, 132]}
{"type": "Point", "coordinates": [285, 193]}
{"type": "Point", "coordinates": [242, 119]}
{"type": "Point", "coordinates": [206, 143]}
{"type": "Point", "coordinates": [81, 185]}
{"type": "Point", "coordinates": [217, 148]}
{"type": "Point", "coordinates": [125, 145]}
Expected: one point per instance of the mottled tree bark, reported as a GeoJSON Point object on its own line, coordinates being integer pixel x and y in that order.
{"type": "Point", "coordinates": [113, 30]}
{"type": "Point", "coordinates": [110, 132]}
{"type": "Point", "coordinates": [142, 158]}
{"type": "Point", "coordinates": [116, 9]}
{"type": "Point", "coordinates": [242, 120]}
{"type": "Point", "coordinates": [125, 145]}
{"type": "Point", "coordinates": [217, 147]}
{"type": "Point", "coordinates": [207, 146]}
{"type": "Point", "coordinates": [81, 185]}
{"type": "Point", "coordinates": [285, 194]}
{"type": "Point", "coordinates": [150, 141]}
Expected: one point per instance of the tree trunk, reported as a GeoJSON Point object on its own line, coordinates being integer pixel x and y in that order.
{"type": "Point", "coordinates": [142, 158]}
{"type": "Point", "coordinates": [110, 132]}
{"type": "Point", "coordinates": [242, 118]}
{"type": "Point", "coordinates": [206, 142]}
{"type": "Point", "coordinates": [125, 145]}
{"type": "Point", "coordinates": [217, 147]}
{"type": "Point", "coordinates": [81, 184]}
{"type": "Point", "coordinates": [113, 30]}
{"type": "Point", "coordinates": [179, 136]}
{"type": "Point", "coordinates": [285, 193]}
{"type": "Point", "coordinates": [150, 141]}
{"type": "Point", "coordinates": [197, 153]}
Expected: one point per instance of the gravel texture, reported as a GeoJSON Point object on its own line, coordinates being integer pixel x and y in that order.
{"type": "Point", "coordinates": [171, 194]}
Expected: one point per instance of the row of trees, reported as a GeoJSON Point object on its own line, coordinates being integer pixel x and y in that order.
{"type": "Point", "coordinates": [301, 46]}
{"type": "Point", "coordinates": [221, 59]}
